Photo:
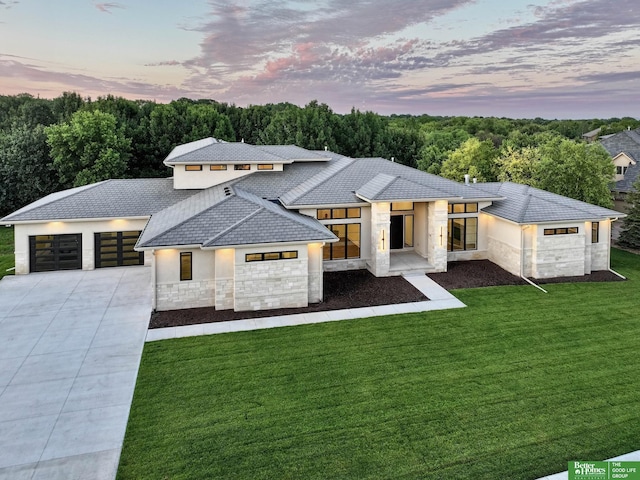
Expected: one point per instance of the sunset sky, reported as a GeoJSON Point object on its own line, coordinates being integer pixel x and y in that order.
{"type": "Point", "coordinates": [514, 58]}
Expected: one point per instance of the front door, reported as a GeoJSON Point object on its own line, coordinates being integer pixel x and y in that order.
{"type": "Point", "coordinates": [397, 232]}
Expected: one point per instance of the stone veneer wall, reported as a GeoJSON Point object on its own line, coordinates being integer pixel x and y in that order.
{"type": "Point", "coordinates": [437, 225]}
{"type": "Point", "coordinates": [343, 265]}
{"type": "Point", "coordinates": [379, 261]}
{"type": "Point", "coordinates": [223, 293]}
{"type": "Point", "coordinates": [271, 284]}
{"type": "Point", "coordinates": [600, 256]}
{"type": "Point", "coordinates": [559, 255]}
{"type": "Point", "coordinates": [504, 255]}
{"type": "Point", "coordinates": [173, 296]}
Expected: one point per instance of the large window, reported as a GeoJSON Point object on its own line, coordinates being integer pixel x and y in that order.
{"type": "Point", "coordinates": [463, 207]}
{"type": "Point", "coordinates": [263, 257]}
{"type": "Point", "coordinates": [338, 213]}
{"type": "Point", "coordinates": [561, 231]}
{"type": "Point", "coordinates": [348, 244]}
{"type": "Point", "coordinates": [186, 266]}
{"type": "Point", "coordinates": [595, 232]}
{"type": "Point", "coordinates": [463, 234]}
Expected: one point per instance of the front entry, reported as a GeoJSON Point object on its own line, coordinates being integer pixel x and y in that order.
{"type": "Point", "coordinates": [401, 231]}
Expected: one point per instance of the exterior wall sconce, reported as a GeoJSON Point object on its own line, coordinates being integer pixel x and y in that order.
{"type": "Point", "coordinates": [441, 237]}
{"type": "Point", "coordinates": [382, 241]}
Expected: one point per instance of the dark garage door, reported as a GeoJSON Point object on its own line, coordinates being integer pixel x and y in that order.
{"type": "Point", "coordinates": [115, 249]}
{"type": "Point", "coordinates": [55, 252]}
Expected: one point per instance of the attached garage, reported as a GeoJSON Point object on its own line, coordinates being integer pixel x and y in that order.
{"type": "Point", "coordinates": [55, 252]}
{"type": "Point", "coordinates": [115, 249]}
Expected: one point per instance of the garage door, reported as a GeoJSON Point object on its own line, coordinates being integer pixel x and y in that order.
{"type": "Point", "coordinates": [55, 252]}
{"type": "Point", "coordinates": [115, 249]}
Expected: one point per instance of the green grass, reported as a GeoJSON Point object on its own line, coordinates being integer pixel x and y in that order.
{"type": "Point", "coordinates": [512, 387]}
{"type": "Point", "coordinates": [7, 259]}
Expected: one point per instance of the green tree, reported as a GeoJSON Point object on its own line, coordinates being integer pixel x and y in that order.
{"type": "Point", "coordinates": [473, 157]}
{"type": "Point", "coordinates": [630, 234]}
{"type": "Point", "coordinates": [437, 145]}
{"type": "Point", "coordinates": [89, 148]}
{"type": "Point", "coordinates": [26, 170]}
{"type": "Point", "coordinates": [576, 170]}
{"type": "Point", "coordinates": [518, 165]}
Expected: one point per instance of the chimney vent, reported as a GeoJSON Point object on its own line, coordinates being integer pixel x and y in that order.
{"type": "Point", "coordinates": [466, 179]}
{"type": "Point", "coordinates": [475, 180]}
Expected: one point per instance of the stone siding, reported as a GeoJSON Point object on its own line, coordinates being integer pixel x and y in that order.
{"type": "Point", "coordinates": [504, 255]}
{"type": "Point", "coordinates": [224, 294]}
{"type": "Point", "coordinates": [174, 296]}
{"type": "Point", "coordinates": [467, 255]}
{"type": "Point", "coordinates": [438, 222]}
{"type": "Point", "coordinates": [600, 256]}
{"type": "Point", "coordinates": [271, 284]}
{"type": "Point", "coordinates": [379, 261]}
{"type": "Point", "coordinates": [343, 265]}
{"type": "Point", "coordinates": [559, 256]}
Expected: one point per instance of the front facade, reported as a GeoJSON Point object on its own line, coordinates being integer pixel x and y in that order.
{"type": "Point", "coordinates": [254, 227]}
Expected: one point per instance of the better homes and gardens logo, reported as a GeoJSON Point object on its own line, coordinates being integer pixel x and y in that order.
{"type": "Point", "coordinates": [588, 471]}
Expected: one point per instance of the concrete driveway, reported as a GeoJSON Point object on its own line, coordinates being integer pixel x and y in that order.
{"type": "Point", "coordinates": [70, 347]}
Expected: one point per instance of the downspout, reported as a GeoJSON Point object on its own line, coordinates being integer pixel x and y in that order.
{"type": "Point", "coordinates": [153, 280]}
{"type": "Point", "coordinates": [522, 260]}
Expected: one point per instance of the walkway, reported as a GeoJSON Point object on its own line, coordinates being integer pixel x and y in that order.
{"type": "Point", "coordinates": [439, 299]}
{"type": "Point", "coordinates": [70, 346]}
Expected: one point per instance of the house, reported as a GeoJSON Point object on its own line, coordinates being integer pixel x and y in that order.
{"type": "Point", "coordinates": [624, 148]}
{"type": "Point", "coordinates": [592, 136]}
{"type": "Point", "coordinates": [248, 227]}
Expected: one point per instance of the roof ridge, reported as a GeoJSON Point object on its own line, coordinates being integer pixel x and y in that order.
{"type": "Point", "coordinates": [235, 225]}
{"type": "Point", "coordinates": [526, 204]}
{"type": "Point", "coordinates": [317, 180]}
{"type": "Point", "coordinates": [179, 224]}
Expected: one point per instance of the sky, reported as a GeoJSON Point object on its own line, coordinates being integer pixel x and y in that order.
{"type": "Point", "coordinates": [511, 58]}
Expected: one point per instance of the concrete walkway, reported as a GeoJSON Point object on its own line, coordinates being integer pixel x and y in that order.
{"type": "Point", "coordinates": [70, 347]}
{"type": "Point", "coordinates": [439, 299]}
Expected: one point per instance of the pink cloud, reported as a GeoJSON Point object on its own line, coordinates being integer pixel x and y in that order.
{"type": "Point", "coordinates": [107, 7]}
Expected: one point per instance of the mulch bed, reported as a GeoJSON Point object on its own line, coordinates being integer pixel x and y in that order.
{"type": "Point", "coordinates": [360, 288]}
{"type": "Point", "coordinates": [342, 290]}
{"type": "Point", "coordinates": [483, 273]}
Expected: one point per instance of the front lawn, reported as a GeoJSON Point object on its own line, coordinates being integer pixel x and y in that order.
{"type": "Point", "coordinates": [512, 387]}
{"type": "Point", "coordinates": [6, 250]}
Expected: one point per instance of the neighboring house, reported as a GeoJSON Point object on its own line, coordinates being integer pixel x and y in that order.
{"type": "Point", "coordinates": [624, 148]}
{"type": "Point", "coordinates": [254, 227]}
{"type": "Point", "coordinates": [592, 136]}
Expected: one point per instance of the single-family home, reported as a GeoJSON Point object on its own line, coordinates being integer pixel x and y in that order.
{"type": "Point", "coordinates": [624, 148]}
{"type": "Point", "coordinates": [249, 227]}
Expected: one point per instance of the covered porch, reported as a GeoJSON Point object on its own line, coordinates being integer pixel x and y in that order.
{"type": "Point", "coordinates": [407, 262]}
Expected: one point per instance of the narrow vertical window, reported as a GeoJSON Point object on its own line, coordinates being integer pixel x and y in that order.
{"type": "Point", "coordinates": [185, 266]}
{"type": "Point", "coordinates": [595, 232]}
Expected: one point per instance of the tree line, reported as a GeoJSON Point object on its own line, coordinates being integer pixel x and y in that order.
{"type": "Point", "coordinates": [47, 145]}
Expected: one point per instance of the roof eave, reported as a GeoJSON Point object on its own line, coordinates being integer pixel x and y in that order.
{"type": "Point", "coordinates": [6, 221]}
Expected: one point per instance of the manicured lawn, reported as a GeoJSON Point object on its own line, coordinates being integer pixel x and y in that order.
{"type": "Point", "coordinates": [512, 387]}
{"type": "Point", "coordinates": [6, 250]}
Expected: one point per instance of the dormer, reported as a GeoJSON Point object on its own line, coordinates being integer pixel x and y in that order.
{"type": "Point", "coordinates": [622, 162]}
{"type": "Point", "coordinates": [209, 162]}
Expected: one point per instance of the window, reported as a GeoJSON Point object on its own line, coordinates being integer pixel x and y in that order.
{"type": "Point", "coordinates": [399, 206]}
{"type": "Point", "coordinates": [463, 207]}
{"type": "Point", "coordinates": [621, 170]}
{"type": "Point", "coordinates": [265, 166]}
{"type": "Point", "coordinates": [193, 168]}
{"type": "Point", "coordinates": [262, 257]}
{"type": "Point", "coordinates": [560, 231]}
{"type": "Point", "coordinates": [338, 213]}
{"type": "Point", "coordinates": [186, 272]}
{"type": "Point", "coordinates": [595, 232]}
{"type": "Point", "coordinates": [348, 244]}
{"type": "Point", "coordinates": [217, 167]}
{"type": "Point", "coordinates": [243, 166]}
{"type": "Point", "coordinates": [463, 234]}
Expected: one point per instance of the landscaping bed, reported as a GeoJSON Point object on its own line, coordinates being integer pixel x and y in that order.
{"type": "Point", "coordinates": [352, 289]}
{"type": "Point", "coordinates": [359, 288]}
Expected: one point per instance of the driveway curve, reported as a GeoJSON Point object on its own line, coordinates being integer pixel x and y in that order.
{"type": "Point", "coordinates": [70, 347]}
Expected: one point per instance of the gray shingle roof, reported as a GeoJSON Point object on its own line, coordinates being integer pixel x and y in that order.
{"type": "Point", "coordinates": [393, 188]}
{"type": "Point", "coordinates": [524, 205]}
{"type": "Point", "coordinates": [295, 153]}
{"type": "Point", "coordinates": [107, 199]}
{"type": "Point", "coordinates": [627, 142]}
{"type": "Point", "coordinates": [238, 219]}
{"type": "Point", "coordinates": [339, 183]}
{"type": "Point", "coordinates": [214, 151]}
